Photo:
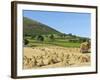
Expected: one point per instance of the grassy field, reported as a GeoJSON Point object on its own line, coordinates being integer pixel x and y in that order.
{"type": "Point", "coordinates": [57, 42]}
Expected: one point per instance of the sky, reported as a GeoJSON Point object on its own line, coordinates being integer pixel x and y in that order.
{"type": "Point", "coordinates": [65, 22]}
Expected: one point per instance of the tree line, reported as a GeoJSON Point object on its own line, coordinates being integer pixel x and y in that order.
{"type": "Point", "coordinates": [51, 37]}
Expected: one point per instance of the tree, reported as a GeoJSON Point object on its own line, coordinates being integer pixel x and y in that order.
{"type": "Point", "coordinates": [40, 38]}
{"type": "Point", "coordinates": [26, 41]}
{"type": "Point", "coordinates": [64, 35]}
{"type": "Point", "coordinates": [74, 36]}
{"type": "Point", "coordinates": [70, 34]}
{"type": "Point", "coordinates": [51, 37]}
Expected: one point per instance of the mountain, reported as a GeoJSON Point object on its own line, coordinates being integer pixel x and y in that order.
{"type": "Point", "coordinates": [33, 27]}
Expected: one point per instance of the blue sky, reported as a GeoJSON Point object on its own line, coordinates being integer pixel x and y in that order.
{"type": "Point", "coordinates": [65, 22]}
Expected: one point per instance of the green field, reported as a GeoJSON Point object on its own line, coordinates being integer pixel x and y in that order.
{"type": "Point", "coordinates": [56, 42]}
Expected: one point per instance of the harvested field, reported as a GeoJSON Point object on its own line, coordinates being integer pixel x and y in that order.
{"type": "Point", "coordinates": [54, 56]}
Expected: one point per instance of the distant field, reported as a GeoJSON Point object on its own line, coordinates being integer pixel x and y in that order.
{"type": "Point", "coordinates": [57, 42]}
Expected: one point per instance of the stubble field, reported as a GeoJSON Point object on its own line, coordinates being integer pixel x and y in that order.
{"type": "Point", "coordinates": [53, 57]}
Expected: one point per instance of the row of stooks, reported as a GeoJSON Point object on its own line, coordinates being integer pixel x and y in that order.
{"type": "Point", "coordinates": [44, 57]}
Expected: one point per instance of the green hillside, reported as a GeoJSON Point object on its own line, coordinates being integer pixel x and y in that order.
{"type": "Point", "coordinates": [32, 27]}
{"type": "Point", "coordinates": [39, 34]}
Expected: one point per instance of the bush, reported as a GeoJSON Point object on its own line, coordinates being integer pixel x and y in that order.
{"type": "Point", "coordinates": [40, 38]}
{"type": "Point", "coordinates": [26, 41]}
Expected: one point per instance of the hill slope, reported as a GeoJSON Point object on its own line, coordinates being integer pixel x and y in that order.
{"type": "Point", "coordinates": [32, 27]}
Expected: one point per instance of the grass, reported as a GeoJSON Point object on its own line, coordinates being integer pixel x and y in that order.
{"type": "Point", "coordinates": [57, 42]}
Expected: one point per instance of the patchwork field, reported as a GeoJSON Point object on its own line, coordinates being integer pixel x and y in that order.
{"type": "Point", "coordinates": [54, 56]}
